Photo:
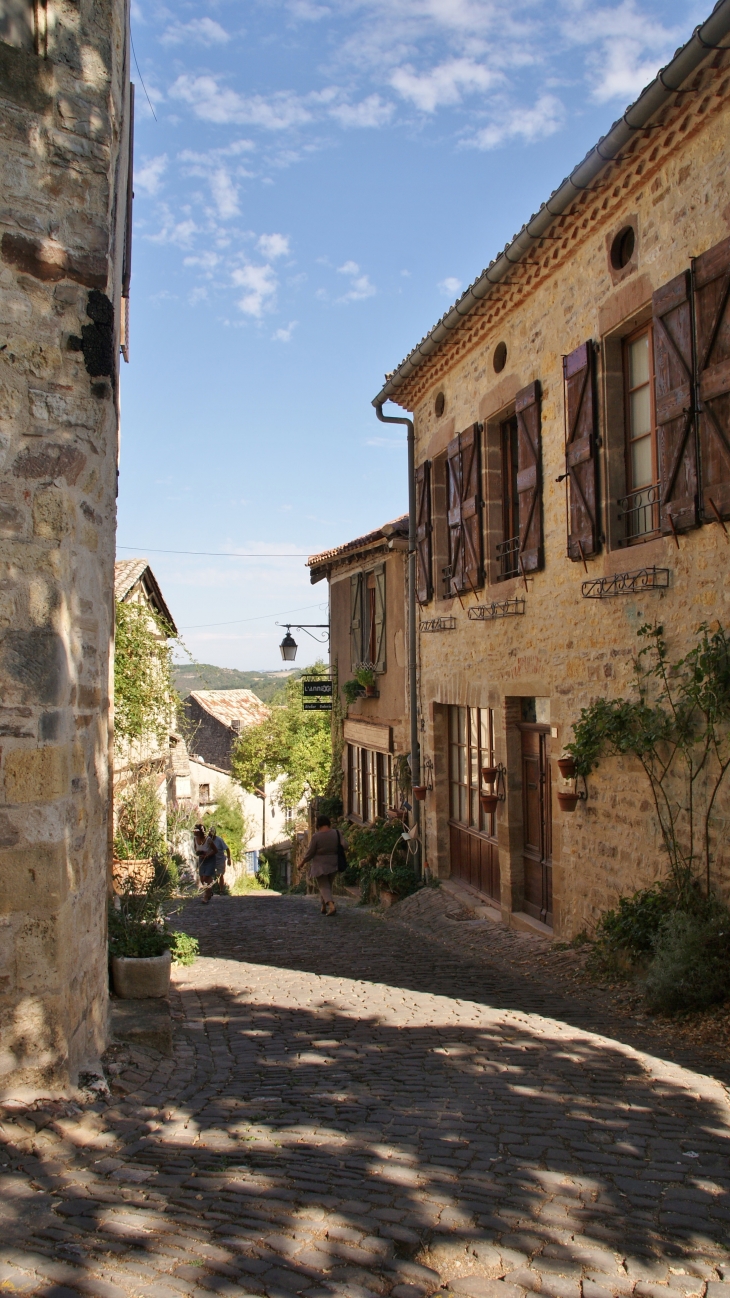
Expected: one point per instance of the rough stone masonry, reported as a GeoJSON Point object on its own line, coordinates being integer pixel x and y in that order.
{"type": "Point", "coordinates": [65, 126]}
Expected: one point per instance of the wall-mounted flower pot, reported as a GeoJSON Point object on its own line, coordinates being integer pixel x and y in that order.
{"type": "Point", "coordinates": [566, 766]}
{"type": "Point", "coordinates": [419, 792]}
{"type": "Point", "coordinates": [489, 802]}
{"type": "Point", "coordinates": [568, 801]}
{"type": "Point", "coordinates": [371, 692]}
{"type": "Point", "coordinates": [489, 774]}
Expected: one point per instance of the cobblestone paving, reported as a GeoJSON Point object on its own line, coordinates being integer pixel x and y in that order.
{"type": "Point", "coordinates": [354, 1109]}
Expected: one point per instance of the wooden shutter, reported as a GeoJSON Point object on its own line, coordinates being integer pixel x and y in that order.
{"type": "Point", "coordinates": [581, 452]}
{"type": "Point", "coordinates": [356, 654]}
{"type": "Point", "coordinates": [465, 510]}
{"type": "Point", "coordinates": [453, 505]}
{"type": "Point", "coordinates": [673, 380]}
{"type": "Point", "coordinates": [424, 530]}
{"type": "Point", "coordinates": [529, 477]}
{"type": "Point", "coordinates": [379, 637]}
{"type": "Point", "coordinates": [712, 326]}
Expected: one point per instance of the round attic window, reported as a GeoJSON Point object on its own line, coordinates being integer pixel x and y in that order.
{"type": "Point", "coordinates": [622, 248]}
{"type": "Point", "coordinates": [439, 405]}
{"type": "Point", "coordinates": [500, 357]}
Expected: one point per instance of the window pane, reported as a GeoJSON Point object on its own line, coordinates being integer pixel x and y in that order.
{"type": "Point", "coordinates": [462, 804]}
{"type": "Point", "coordinates": [462, 766]}
{"type": "Point", "coordinates": [453, 724]}
{"type": "Point", "coordinates": [640, 412]}
{"type": "Point", "coordinates": [473, 726]}
{"type": "Point", "coordinates": [462, 725]}
{"type": "Point", "coordinates": [474, 816]}
{"type": "Point", "coordinates": [639, 361]}
{"type": "Point", "coordinates": [641, 465]}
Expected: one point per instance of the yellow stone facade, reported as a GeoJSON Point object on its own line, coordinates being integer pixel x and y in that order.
{"type": "Point", "coordinates": [673, 186]}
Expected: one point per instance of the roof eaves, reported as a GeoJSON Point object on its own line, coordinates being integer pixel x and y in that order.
{"type": "Point", "coordinates": [653, 97]}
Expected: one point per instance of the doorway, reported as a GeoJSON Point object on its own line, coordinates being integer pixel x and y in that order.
{"type": "Point", "coordinates": [537, 822]}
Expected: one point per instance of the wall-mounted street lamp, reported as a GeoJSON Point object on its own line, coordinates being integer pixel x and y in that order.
{"type": "Point", "coordinates": [289, 645]}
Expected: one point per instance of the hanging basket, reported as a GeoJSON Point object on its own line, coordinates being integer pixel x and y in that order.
{"type": "Point", "coordinates": [489, 802]}
{"type": "Point", "coordinates": [489, 774]}
{"type": "Point", "coordinates": [566, 766]}
{"type": "Point", "coordinates": [568, 801]}
{"type": "Point", "coordinates": [419, 792]}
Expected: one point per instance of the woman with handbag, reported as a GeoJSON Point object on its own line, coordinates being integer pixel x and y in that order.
{"type": "Point", "coordinates": [326, 852]}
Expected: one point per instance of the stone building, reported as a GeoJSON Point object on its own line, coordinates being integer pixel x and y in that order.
{"type": "Point", "coordinates": [367, 598]}
{"type": "Point", "coordinates": [65, 206]}
{"type": "Point", "coordinates": [572, 424]}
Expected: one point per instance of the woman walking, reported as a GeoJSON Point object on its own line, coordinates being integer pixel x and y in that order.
{"type": "Point", "coordinates": [323, 854]}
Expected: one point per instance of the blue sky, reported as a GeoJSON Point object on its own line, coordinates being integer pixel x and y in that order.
{"type": "Point", "coordinates": [322, 179]}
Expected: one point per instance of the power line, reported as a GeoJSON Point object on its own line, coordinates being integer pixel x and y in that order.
{"type": "Point", "coordinates": [260, 618]}
{"type": "Point", "coordinates": [149, 101]}
{"type": "Point", "coordinates": [213, 554]}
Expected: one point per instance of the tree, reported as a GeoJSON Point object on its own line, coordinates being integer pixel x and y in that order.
{"type": "Point", "coordinates": [678, 726]}
{"type": "Point", "coordinates": [230, 822]}
{"type": "Point", "coordinates": [145, 698]}
{"type": "Point", "coordinates": [290, 742]}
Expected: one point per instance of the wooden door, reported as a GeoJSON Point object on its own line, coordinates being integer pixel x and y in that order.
{"type": "Point", "coordinates": [537, 824]}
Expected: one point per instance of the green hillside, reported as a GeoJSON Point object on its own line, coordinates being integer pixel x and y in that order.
{"type": "Point", "coordinates": [204, 676]}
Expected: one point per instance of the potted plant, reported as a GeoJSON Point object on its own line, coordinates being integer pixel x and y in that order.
{"type": "Point", "coordinates": [489, 774]}
{"type": "Point", "coordinates": [566, 766]}
{"type": "Point", "coordinates": [142, 947]}
{"type": "Point", "coordinates": [419, 792]}
{"type": "Point", "coordinates": [568, 799]}
{"type": "Point", "coordinates": [489, 801]}
{"type": "Point", "coordinates": [352, 691]}
{"type": "Point", "coordinates": [365, 676]}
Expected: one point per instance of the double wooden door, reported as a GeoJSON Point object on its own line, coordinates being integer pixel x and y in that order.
{"type": "Point", "coordinates": [537, 822]}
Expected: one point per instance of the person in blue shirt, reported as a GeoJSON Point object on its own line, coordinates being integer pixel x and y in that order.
{"type": "Point", "coordinates": [213, 859]}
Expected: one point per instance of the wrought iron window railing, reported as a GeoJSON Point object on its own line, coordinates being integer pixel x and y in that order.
{"type": "Point", "coordinates": [639, 512]}
{"type": "Point", "coordinates": [508, 557]}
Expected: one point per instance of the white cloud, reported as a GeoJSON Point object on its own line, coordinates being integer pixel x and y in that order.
{"type": "Point", "coordinates": [272, 246]}
{"type": "Point", "coordinates": [284, 335]}
{"type": "Point", "coordinates": [201, 31]}
{"type": "Point", "coordinates": [225, 194]}
{"type": "Point", "coordinates": [529, 124]}
{"type": "Point", "coordinates": [369, 112]}
{"type": "Point", "coordinates": [148, 177]}
{"type": "Point", "coordinates": [360, 287]}
{"type": "Point", "coordinates": [260, 285]}
{"type": "Point", "coordinates": [173, 231]}
{"type": "Point", "coordinates": [450, 286]}
{"type": "Point", "coordinates": [624, 63]}
{"type": "Point", "coordinates": [214, 103]}
{"type": "Point", "coordinates": [442, 85]}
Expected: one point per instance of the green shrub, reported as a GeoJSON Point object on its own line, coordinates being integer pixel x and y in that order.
{"type": "Point", "coordinates": [368, 842]}
{"type": "Point", "coordinates": [245, 883]}
{"type": "Point", "coordinates": [184, 949]}
{"type": "Point", "coordinates": [352, 691]}
{"type": "Point", "coordinates": [139, 835]}
{"type": "Point", "coordinates": [401, 880]}
{"type": "Point", "coordinates": [264, 873]}
{"type": "Point", "coordinates": [298, 889]}
{"type": "Point", "coordinates": [691, 965]}
{"type": "Point", "coordinates": [632, 928]}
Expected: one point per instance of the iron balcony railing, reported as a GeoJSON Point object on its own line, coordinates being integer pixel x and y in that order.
{"type": "Point", "coordinates": [508, 557]}
{"type": "Point", "coordinates": [639, 512]}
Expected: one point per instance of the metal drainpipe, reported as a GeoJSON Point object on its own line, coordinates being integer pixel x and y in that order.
{"type": "Point", "coordinates": [412, 661]}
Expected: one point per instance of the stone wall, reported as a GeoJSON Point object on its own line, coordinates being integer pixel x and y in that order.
{"type": "Point", "coordinates": [566, 649]}
{"type": "Point", "coordinates": [64, 109]}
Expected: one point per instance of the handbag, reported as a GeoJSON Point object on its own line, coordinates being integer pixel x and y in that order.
{"type": "Point", "coordinates": [341, 854]}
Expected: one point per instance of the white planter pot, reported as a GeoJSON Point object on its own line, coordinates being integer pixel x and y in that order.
{"type": "Point", "coordinates": [136, 978]}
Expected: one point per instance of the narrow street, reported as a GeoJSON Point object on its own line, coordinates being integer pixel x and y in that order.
{"type": "Point", "coordinates": [353, 1110]}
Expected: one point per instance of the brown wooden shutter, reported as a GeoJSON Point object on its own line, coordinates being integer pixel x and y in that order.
{"type": "Point", "coordinates": [471, 509]}
{"type": "Point", "coordinates": [529, 477]}
{"type": "Point", "coordinates": [712, 326]}
{"type": "Point", "coordinates": [356, 654]}
{"type": "Point", "coordinates": [581, 452]}
{"type": "Point", "coordinates": [673, 381]}
{"type": "Point", "coordinates": [465, 510]}
{"type": "Point", "coordinates": [424, 530]}
{"type": "Point", "coordinates": [379, 636]}
{"type": "Point", "coordinates": [453, 506]}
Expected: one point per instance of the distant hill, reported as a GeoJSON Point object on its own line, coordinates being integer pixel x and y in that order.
{"type": "Point", "coordinates": [204, 676]}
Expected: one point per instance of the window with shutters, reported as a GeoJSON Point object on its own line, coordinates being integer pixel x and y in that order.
{"type": "Point", "coordinates": [367, 619]}
{"type": "Point", "coordinates": [508, 546]}
{"type": "Point", "coordinates": [712, 332]}
{"type": "Point", "coordinates": [464, 512]}
{"type": "Point", "coordinates": [640, 505]}
{"type": "Point", "coordinates": [370, 783]}
{"type": "Point", "coordinates": [674, 400]}
{"type": "Point", "coordinates": [581, 452]}
{"type": "Point", "coordinates": [424, 534]}
{"type": "Point", "coordinates": [530, 555]}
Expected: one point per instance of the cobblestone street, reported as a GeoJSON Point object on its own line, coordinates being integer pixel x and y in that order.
{"type": "Point", "coordinates": [354, 1109]}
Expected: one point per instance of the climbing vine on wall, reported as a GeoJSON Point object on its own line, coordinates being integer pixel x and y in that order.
{"type": "Point", "coordinates": [145, 698]}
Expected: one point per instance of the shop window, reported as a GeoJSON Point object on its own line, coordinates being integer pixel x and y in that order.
{"type": "Point", "coordinates": [471, 747]}
{"type": "Point", "coordinates": [370, 784]}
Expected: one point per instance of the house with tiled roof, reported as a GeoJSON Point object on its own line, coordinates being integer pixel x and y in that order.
{"type": "Point", "coordinates": [367, 580]}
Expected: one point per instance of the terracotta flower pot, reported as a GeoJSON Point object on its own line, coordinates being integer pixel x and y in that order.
{"type": "Point", "coordinates": [489, 774]}
{"type": "Point", "coordinates": [568, 801]}
{"type": "Point", "coordinates": [136, 978]}
{"type": "Point", "coordinates": [566, 766]}
{"type": "Point", "coordinates": [489, 802]}
{"type": "Point", "coordinates": [419, 792]}
{"type": "Point", "coordinates": [370, 691]}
